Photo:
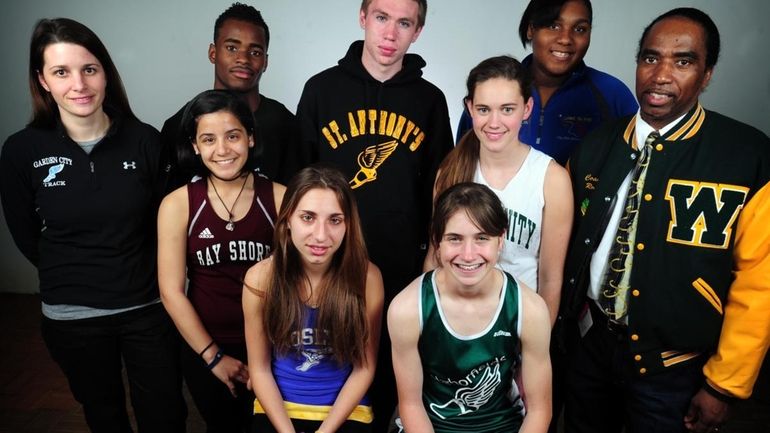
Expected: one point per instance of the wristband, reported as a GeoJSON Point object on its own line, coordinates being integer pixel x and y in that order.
{"type": "Point", "coordinates": [206, 348]}
{"type": "Point", "coordinates": [215, 360]}
{"type": "Point", "coordinates": [724, 398]}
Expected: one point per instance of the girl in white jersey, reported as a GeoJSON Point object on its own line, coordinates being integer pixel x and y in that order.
{"type": "Point", "coordinates": [534, 189]}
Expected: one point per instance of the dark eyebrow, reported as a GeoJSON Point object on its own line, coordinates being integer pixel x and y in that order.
{"type": "Point", "coordinates": [578, 22]}
{"type": "Point", "coordinates": [686, 54]}
{"type": "Point", "coordinates": [239, 42]}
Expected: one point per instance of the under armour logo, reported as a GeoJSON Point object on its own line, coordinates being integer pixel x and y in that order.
{"type": "Point", "coordinates": [127, 165]}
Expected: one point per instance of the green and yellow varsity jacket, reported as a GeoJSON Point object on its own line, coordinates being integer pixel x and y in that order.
{"type": "Point", "coordinates": [700, 281]}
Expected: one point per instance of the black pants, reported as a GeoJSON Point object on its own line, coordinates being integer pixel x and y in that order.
{"type": "Point", "coordinates": [92, 352]}
{"type": "Point", "coordinates": [562, 331]}
{"type": "Point", "coordinates": [604, 393]}
{"type": "Point", "coordinates": [262, 425]}
{"type": "Point", "coordinates": [222, 412]}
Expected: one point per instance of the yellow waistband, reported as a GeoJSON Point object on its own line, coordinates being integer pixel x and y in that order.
{"type": "Point", "coordinates": [310, 412]}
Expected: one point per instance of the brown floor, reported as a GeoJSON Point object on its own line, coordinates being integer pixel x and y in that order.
{"type": "Point", "coordinates": [35, 398]}
{"type": "Point", "coordinates": [34, 395]}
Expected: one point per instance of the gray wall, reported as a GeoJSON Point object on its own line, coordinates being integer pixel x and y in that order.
{"type": "Point", "coordinates": [160, 49]}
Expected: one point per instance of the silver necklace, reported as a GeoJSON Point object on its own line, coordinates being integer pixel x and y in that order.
{"type": "Point", "coordinates": [230, 226]}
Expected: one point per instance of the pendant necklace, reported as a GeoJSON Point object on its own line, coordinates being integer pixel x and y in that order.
{"type": "Point", "coordinates": [230, 226]}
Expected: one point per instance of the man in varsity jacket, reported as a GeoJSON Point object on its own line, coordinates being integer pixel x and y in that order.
{"type": "Point", "coordinates": [674, 320]}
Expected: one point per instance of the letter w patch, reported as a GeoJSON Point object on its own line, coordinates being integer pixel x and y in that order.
{"type": "Point", "coordinates": [702, 213]}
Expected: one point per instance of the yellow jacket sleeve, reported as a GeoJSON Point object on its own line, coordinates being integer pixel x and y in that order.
{"type": "Point", "coordinates": [745, 334]}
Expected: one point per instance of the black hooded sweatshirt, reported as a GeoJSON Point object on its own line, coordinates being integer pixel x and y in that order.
{"type": "Point", "coordinates": [388, 138]}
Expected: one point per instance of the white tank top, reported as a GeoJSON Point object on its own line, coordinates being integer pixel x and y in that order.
{"type": "Point", "coordinates": [523, 200]}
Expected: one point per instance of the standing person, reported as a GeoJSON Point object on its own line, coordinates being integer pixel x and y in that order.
{"type": "Point", "coordinates": [80, 187]}
{"type": "Point", "coordinates": [239, 56]}
{"type": "Point", "coordinates": [534, 189]}
{"type": "Point", "coordinates": [216, 227]}
{"type": "Point", "coordinates": [387, 129]}
{"type": "Point", "coordinates": [671, 249]}
{"type": "Point", "coordinates": [570, 98]}
{"type": "Point", "coordinates": [313, 312]}
{"type": "Point", "coordinates": [459, 331]}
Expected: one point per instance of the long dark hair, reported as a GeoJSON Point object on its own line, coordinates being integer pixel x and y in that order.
{"type": "Point", "coordinates": [460, 164]}
{"type": "Point", "coordinates": [342, 296]}
{"type": "Point", "coordinates": [45, 111]}
{"type": "Point", "coordinates": [212, 101]}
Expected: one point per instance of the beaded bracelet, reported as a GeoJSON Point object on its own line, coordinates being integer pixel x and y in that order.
{"type": "Point", "coordinates": [215, 360]}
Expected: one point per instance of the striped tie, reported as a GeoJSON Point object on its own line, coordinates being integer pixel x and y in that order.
{"type": "Point", "coordinates": [613, 297]}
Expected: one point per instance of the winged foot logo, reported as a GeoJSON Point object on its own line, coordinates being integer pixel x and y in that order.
{"type": "Point", "coordinates": [56, 165]}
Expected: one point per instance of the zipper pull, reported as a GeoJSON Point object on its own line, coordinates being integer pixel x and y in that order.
{"type": "Point", "coordinates": [92, 166]}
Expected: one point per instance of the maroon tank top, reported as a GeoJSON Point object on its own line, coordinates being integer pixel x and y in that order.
{"type": "Point", "coordinates": [217, 259]}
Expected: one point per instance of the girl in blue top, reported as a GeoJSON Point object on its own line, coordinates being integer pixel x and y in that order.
{"type": "Point", "coordinates": [312, 313]}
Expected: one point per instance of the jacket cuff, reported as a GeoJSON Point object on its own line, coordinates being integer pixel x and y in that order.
{"type": "Point", "coordinates": [717, 394]}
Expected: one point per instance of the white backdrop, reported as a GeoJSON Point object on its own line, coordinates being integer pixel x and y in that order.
{"type": "Point", "coordinates": [160, 48]}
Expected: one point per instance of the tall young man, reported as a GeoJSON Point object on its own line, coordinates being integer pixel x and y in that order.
{"type": "Point", "coordinates": [375, 118]}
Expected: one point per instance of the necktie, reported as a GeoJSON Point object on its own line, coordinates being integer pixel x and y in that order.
{"type": "Point", "coordinates": [613, 297]}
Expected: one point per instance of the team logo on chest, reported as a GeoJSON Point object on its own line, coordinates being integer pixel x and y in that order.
{"type": "Point", "coordinates": [369, 160]}
{"type": "Point", "coordinates": [703, 213]}
{"type": "Point", "coordinates": [376, 123]}
{"type": "Point", "coordinates": [56, 165]}
{"type": "Point", "coordinates": [472, 392]}
{"type": "Point", "coordinates": [234, 251]}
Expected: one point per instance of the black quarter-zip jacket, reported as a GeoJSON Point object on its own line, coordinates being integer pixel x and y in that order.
{"type": "Point", "coordinates": [86, 221]}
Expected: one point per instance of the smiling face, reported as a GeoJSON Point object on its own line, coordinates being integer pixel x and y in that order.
{"type": "Point", "coordinates": [497, 110]}
{"type": "Point", "coordinates": [390, 27]}
{"type": "Point", "coordinates": [468, 253]}
{"type": "Point", "coordinates": [671, 70]}
{"type": "Point", "coordinates": [317, 227]}
{"type": "Point", "coordinates": [559, 47]}
{"type": "Point", "coordinates": [239, 56]}
{"type": "Point", "coordinates": [74, 78]}
{"type": "Point", "coordinates": [223, 144]}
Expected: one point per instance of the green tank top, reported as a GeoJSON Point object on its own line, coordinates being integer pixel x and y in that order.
{"type": "Point", "coordinates": [468, 380]}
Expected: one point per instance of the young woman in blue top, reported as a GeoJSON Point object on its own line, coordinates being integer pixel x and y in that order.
{"type": "Point", "coordinates": [570, 98]}
{"type": "Point", "coordinates": [312, 313]}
